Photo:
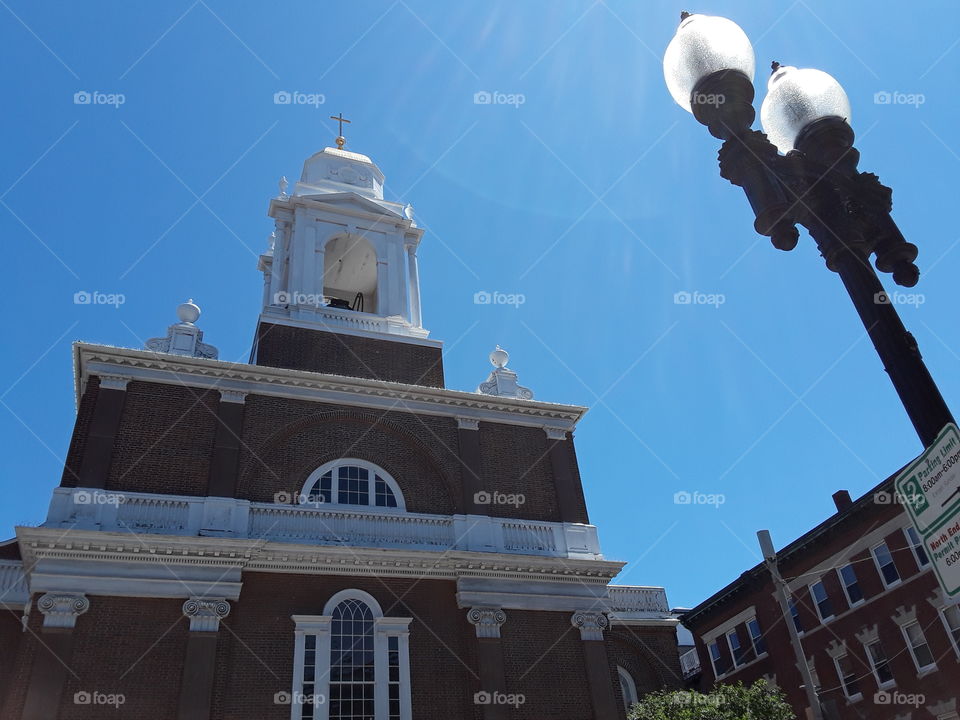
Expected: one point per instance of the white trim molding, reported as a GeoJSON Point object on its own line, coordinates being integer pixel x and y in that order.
{"type": "Point", "coordinates": [233, 396]}
{"type": "Point", "coordinates": [555, 433]}
{"type": "Point", "coordinates": [465, 423]}
{"type": "Point", "coordinates": [206, 613]}
{"type": "Point", "coordinates": [487, 621]}
{"type": "Point", "coordinates": [61, 610]}
{"type": "Point", "coordinates": [381, 395]}
{"type": "Point", "coordinates": [113, 382]}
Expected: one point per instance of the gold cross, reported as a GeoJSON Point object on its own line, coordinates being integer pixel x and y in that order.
{"type": "Point", "coordinates": [341, 140]}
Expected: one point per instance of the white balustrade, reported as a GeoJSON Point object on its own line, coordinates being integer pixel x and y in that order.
{"type": "Point", "coordinates": [84, 508]}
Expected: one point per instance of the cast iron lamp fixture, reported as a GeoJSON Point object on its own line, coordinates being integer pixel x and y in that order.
{"type": "Point", "coordinates": [804, 171]}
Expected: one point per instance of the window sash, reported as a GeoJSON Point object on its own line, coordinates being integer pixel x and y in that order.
{"type": "Point", "coordinates": [916, 544]}
{"type": "Point", "coordinates": [851, 586]}
{"type": "Point", "coordinates": [885, 564]}
{"type": "Point", "coordinates": [919, 649]}
{"type": "Point", "coordinates": [736, 650]}
{"type": "Point", "coordinates": [880, 664]}
{"type": "Point", "coordinates": [716, 659]}
{"type": "Point", "coordinates": [848, 676]}
{"type": "Point", "coordinates": [756, 637]}
{"type": "Point", "coordinates": [818, 591]}
{"type": "Point", "coordinates": [951, 621]}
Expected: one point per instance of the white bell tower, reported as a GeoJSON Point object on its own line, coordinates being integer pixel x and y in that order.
{"type": "Point", "coordinates": [341, 258]}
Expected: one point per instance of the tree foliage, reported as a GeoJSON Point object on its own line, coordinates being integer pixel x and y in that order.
{"type": "Point", "coordinates": [725, 702]}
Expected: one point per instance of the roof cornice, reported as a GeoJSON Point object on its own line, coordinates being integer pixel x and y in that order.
{"type": "Point", "coordinates": [204, 373]}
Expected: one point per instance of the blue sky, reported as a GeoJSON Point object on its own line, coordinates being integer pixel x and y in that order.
{"type": "Point", "coordinates": [597, 199]}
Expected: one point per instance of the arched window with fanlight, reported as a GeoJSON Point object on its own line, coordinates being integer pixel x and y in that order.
{"type": "Point", "coordinates": [628, 688]}
{"type": "Point", "coordinates": [351, 663]}
{"type": "Point", "coordinates": [352, 482]}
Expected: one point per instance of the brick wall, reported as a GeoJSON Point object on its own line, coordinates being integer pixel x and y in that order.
{"type": "Point", "coordinates": [649, 654]}
{"type": "Point", "coordinates": [81, 428]}
{"type": "Point", "coordinates": [338, 354]}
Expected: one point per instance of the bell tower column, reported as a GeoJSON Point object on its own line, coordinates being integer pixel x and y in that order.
{"type": "Point", "coordinates": [415, 318]}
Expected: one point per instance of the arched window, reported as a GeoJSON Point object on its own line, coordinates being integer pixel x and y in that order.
{"type": "Point", "coordinates": [351, 663]}
{"type": "Point", "coordinates": [352, 482]}
{"type": "Point", "coordinates": [628, 688]}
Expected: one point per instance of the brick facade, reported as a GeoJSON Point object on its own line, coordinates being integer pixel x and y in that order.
{"type": "Point", "coordinates": [848, 537]}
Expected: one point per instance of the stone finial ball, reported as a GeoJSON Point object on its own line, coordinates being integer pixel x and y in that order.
{"type": "Point", "coordinates": [499, 357]}
{"type": "Point", "coordinates": [188, 312]}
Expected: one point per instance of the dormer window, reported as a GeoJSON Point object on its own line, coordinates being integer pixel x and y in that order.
{"type": "Point", "coordinates": [352, 482]}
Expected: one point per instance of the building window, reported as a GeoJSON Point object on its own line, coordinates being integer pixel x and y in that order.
{"type": "Point", "coordinates": [756, 637]}
{"type": "Point", "coordinates": [736, 651]}
{"type": "Point", "coordinates": [848, 677]}
{"type": "Point", "coordinates": [716, 658]}
{"type": "Point", "coordinates": [878, 661]}
{"type": "Point", "coordinates": [352, 482]}
{"type": "Point", "coordinates": [916, 544]}
{"type": "Point", "coordinates": [795, 614]}
{"type": "Point", "coordinates": [922, 657]}
{"type": "Point", "coordinates": [351, 662]}
{"type": "Point", "coordinates": [951, 619]}
{"type": "Point", "coordinates": [848, 577]}
{"type": "Point", "coordinates": [628, 689]}
{"type": "Point", "coordinates": [884, 560]}
{"type": "Point", "coordinates": [820, 598]}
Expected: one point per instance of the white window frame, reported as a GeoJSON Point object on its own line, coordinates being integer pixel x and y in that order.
{"type": "Point", "coordinates": [876, 562]}
{"type": "Point", "coordinates": [843, 685]}
{"type": "Point", "coordinates": [628, 688]}
{"type": "Point", "coordinates": [873, 666]}
{"type": "Point", "coordinates": [906, 637]}
{"type": "Point", "coordinates": [753, 640]}
{"type": "Point", "coordinates": [955, 644]}
{"type": "Point", "coordinates": [816, 603]}
{"type": "Point", "coordinates": [846, 589]}
{"type": "Point", "coordinates": [713, 660]}
{"type": "Point", "coordinates": [383, 628]}
{"type": "Point", "coordinates": [733, 653]}
{"type": "Point", "coordinates": [913, 547]}
{"type": "Point", "coordinates": [370, 467]}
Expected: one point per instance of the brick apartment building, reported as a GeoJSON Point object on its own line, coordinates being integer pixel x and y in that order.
{"type": "Point", "coordinates": [327, 531]}
{"type": "Point", "coordinates": [881, 639]}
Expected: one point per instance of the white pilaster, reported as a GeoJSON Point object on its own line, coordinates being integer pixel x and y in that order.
{"type": "Point", "coordinates": [416, 318]}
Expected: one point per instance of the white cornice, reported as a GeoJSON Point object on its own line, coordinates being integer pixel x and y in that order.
{"type": "Point", "coordinates": [149, 366]}
{"type": "Point", "coordinates": [48, 544]}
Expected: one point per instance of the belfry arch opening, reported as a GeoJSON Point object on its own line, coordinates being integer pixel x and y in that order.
{"type": "Point", "coordinates": [350, 273]}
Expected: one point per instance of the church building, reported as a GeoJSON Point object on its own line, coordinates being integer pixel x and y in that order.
{"type": "Point", "coordinates": [326, 532]}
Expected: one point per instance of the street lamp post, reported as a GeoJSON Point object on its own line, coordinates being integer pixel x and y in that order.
{"type": "Point", "coordinates": [804, 171]}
